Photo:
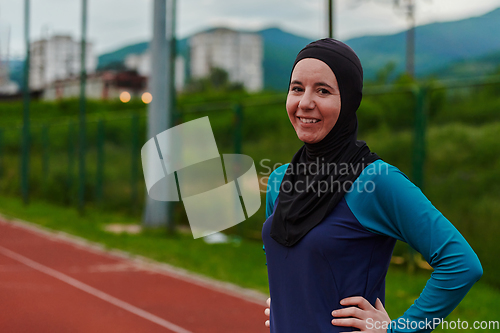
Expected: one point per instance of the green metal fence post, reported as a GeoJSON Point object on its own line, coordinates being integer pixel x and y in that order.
{"type": "Point", "coordinates": [134, 158]}
{"type": "Point", "coordinates": [45, 157]}
{"type": "Point", "coordinates": [82, 123]}
{"type": "Point", "coordinates": [100, 162]}
{"type": "Point", "coordinates": [173, 205]}
{"type": "Point", "coordinates": [238, 129]}
{"type": "Point", "coordinates": [1, 154]}
{"type": "Point", "coordinates": [25, 161]}
{"type": "Point", "coordinates": [177, 116]}
{"type": "Point", "coordinates": [238, 125]}
{"type": "Point", "coordinates": [71, 161]}
{"type": "Point", "coordinates": [418, 158]}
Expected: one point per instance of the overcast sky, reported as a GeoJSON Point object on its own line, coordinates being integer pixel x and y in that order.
{"type": "Point", "coordinates": [116, 23]}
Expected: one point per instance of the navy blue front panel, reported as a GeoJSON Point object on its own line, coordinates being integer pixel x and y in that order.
{"type": "Point", "coordinates": [338, 258]}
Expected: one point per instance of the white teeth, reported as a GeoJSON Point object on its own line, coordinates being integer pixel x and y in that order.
{"type": "Point", "coordinates": [308, 121]}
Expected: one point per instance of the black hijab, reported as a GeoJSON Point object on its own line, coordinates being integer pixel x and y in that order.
{"type": "Point", "coordinates": [321, 173]}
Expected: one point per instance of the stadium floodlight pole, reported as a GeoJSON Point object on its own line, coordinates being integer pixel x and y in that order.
{"type": "Point", "coordinates": [156, 213]}
{"type": "Point", "coordinates": [26, 108]}
{"type": "Point", "coordinates": [173, 50]}
{"type": "Point", "coordinates": [410, 39]}
{"type": "Point", "coordinates": [171, 36]}
{"type": "Point", "coordinates": [330, 18]}
{"type": "Point", "coordinates": [83, 77]}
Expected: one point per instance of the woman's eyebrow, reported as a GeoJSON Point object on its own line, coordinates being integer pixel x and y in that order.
{"type": "Point", "coordinates": [319, 84]}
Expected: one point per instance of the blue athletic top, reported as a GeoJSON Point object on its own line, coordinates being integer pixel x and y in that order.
{"type": "Point", "coordinates": [348, 254]}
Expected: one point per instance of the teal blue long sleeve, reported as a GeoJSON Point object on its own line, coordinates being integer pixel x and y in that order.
{"type": "Point", "coordinates": [397, 208]}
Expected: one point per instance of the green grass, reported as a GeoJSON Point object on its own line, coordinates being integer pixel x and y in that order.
{"type": "Point", "coordinates": [241, 263]}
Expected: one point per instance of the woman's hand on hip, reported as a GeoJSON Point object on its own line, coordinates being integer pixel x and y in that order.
{"type": "Point", "coordinates": [267, 312]}
{"type": "Point", "coordinates": [361, 314]}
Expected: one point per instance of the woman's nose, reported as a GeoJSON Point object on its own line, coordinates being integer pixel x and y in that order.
{"type": "Point", "coordinates": [306, 101]}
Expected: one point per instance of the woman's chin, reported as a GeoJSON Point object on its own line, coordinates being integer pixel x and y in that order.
{"type": "Point", "coordinates": [308, 138]}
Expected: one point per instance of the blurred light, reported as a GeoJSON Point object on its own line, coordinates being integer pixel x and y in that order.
{"type": "Point", "coordinates": [147, 97]}
{"type": "Point", "coordinates": [125, 97]}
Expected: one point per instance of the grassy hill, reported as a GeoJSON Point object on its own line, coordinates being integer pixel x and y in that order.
{"type": "Point", "coordinates": [464, 68]}
{"type": "Point", "coordinates": [280, 49]}
{"type": "Point", "coordinates": [437, 44]}
{"type": "Point", "coordinates": [118, 56]}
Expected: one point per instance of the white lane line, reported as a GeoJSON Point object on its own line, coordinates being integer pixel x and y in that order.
{"type": "Point", "coordinates": [247, 295]}
{"type": "Point", "coordinates": [93, 291]}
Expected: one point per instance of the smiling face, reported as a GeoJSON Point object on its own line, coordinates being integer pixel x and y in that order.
{"type": "Point", "coordinates": [313, 102]}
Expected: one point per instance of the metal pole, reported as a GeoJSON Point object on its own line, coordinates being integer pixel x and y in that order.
{"type": "Point", "coordinates": [134, 159]}
{"type": "Point", "coordinates": [45, 157]}
{"type": "Point", "coordinates": [159, 118]}
{"type": "Point", "coordinates": [100, 162]}
{"type": "Point", "coordinates": [238, 133]}
{"type": "Point", "coordinates": [2, 171]}
{"type": "Point", "coordinates": [410, 40]}
{"type": "Point", "coordinates": [330, 18]}
{"type": "Point", "coordinates": [238, 127]}
{"type": "Point", "coordinates": [173, 100]}
{"type": "Point", "coordinates": [419, 137]}
{"type": "Point", "coordinates": [26, 110]}
{"type": "Point", "coordinates": [83, 77]}
{"type": "Point", "coordinates": [418, 159]}
{"type": "Point", "coordinates": [71, 162]}
{"type": "Point", "coordinates": [173, 54]}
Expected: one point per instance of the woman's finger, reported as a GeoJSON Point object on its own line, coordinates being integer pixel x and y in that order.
{"type": "Point", "coordinates": [267, 312]}
{"type": "Point", "coordinates": [351, 311]}
{"type": "Point", "coordinates": [349, 322]}
{"type": "Point", "coordinates": [359, 301]}
{"type": "Point", "coordinates": [379, 306]}
{"type": "Point", "coordinates": [267, 323]}
{"type": "Point", "coordinates": [268, 302]}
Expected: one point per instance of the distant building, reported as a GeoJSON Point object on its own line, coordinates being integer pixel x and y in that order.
{"type": "Point", "coordinates": [104, 85]}
{"type": "Point", "coordinates": [57, 58]}
{"type": "Point", "coordinates": [139, 62]}
{"type": "Point", "coordinates": [7, 87]}
{"type": "Point", "coordinates": [238, 53]}
{"type": "Point", "coordinates": [142, 64]}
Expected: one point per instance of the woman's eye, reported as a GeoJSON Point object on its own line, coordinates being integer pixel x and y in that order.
{"type": "Point", "coordinates": [296, 89]}
{"type": "Point", "coordinates": [323, 91]}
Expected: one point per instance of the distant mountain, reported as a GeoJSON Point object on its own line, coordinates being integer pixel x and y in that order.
{"type": "Point", "coordinates": [119, 55]}
{"type": "Point", "coordinates": [16, 68]}
{"type": "Point", "coordinates": [481, 66]}
{"type": "Point", "coordinates": [437, 44]}
{"type": "Point", "coordinates": [280, 49]}
{"type": "Point", "coordinates": [441, 48]}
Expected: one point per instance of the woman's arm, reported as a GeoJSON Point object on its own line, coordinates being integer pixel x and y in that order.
{"type": "Point", "coordinates": [397, 208]}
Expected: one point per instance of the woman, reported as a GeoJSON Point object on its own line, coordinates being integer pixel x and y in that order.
{"type": "Point", "coordinates": [335, 212]}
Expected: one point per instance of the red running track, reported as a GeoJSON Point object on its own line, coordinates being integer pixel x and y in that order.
{"type": "Point", "coordinates": [51, 284]}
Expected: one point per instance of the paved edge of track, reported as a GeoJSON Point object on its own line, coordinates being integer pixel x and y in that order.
{"type": "Point", "coordinates": [228, 288]}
